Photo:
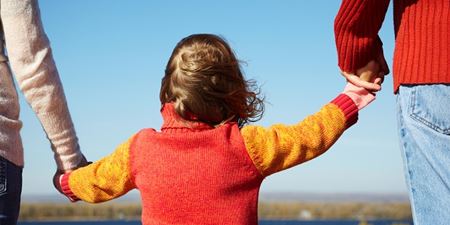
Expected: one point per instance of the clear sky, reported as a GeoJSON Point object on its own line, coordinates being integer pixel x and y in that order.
{"type": "Point", "coordinates": [111, 56]}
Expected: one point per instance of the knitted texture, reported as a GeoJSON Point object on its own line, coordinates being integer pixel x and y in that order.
{"type": "Point", "coordinates": [31, 61]}
{"type": "Point", "coordinates": [348, 107]}
{"type": "Point", "coordinates": [280, 147]}
{"type": "Point", "coordinates": [192, 173]}
{"type": "Point", "coordinates": [65, 187]}
{"type": "Point", "coordinates": [422, 45]}
{"type": "Point", "coordinates": [103, 180]}
{"type": "Point", "coordinates": [202, 177]}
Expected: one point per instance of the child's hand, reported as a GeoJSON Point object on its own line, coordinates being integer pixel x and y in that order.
{"type": "Point", "coordinates": [371, 76]}
{"type": "Point", "coordinates": [59, 174]}
{"type": "Point", "coordinates": [360, 96]}
{"type": "Point", "coordinates": [57, 182]}
{"type": "Point", "coordinates": [368, 77]}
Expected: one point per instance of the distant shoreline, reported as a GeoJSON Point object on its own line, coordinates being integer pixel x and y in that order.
{"type": "Point", "coordinates": [267, 210]}
{"type": "Point", "coordinates": [133, 197]}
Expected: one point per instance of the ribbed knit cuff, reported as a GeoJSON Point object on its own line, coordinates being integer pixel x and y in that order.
{"type": "Point", "coordinates": [349, 109]}
{"type": "Point", "coordinates": [352, 58]}
{"type": "Point", "coordinates": [62, 136]}
{"type": "Point", "coordinates": [69, 161]}
{"type": "Point", "coordinates": [356, 27]}
{"type": "Point", "coordinates": [64, 182]}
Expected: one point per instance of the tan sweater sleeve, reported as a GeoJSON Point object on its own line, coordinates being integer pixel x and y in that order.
{"type": "Point", "coordinates": [281, 146]}
{"type": "Point", "coordinates": [32, 63]}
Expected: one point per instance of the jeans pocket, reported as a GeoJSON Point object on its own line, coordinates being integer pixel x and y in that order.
{"type": "Point", "coordinates": [3, 175]}
{"type": "Point", "coordinates": [430, 105]}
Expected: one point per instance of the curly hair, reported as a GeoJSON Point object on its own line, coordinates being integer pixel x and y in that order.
{"type": "Point", "coordinates": [203, 78]}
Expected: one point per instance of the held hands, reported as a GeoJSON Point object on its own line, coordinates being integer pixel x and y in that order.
{"type": "Point", "coordinates": [371, 76]}
{"type": "Point", "coordinates": [361, 87]}
{"type": "Point", "coordinates": [360, 96]}
{"type": "Point", "coordinates": [59, 173]}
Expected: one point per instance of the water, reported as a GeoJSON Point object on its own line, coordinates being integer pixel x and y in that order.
{"type": "Point", "coordinates": [263, 222]}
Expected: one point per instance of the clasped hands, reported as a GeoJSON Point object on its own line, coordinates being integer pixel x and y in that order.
{"type": "Point", "coordinates": [56, 178]}
{"type": "Point", "coordinates": [371, 76]}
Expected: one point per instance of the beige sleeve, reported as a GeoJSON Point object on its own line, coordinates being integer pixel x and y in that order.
{"type": "Point", "coordinates": [32, 63]}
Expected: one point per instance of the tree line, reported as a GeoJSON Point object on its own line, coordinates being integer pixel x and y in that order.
{"type": "Point", "coordinates": [267, 210]}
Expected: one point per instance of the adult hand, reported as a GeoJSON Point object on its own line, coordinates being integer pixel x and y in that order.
{"type": "Point", "coordinates": [57, 183]}
{"type": "Point", "coordinates": [56, 180]}
{"type": "Point", "coordinates": [58, 174]}
{"type": "Point", "coordinates": [82, 163]}
{"type": "Point", "coordinates": [371, 76]}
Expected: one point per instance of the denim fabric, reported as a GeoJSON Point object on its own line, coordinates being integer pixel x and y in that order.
{"type": "Point", "coordinates": [10, 190]}
{"type": "Point", "coordinates": [424, 129]}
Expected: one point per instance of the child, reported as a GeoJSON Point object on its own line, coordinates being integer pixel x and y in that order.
{"type": "Point", "coordinates": [206, 165]}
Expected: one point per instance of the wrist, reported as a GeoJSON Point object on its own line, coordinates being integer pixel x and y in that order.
{"type": "Point", "coordinates": [65, 187]}
{"type": "Point", "coordinates": [360, 96]}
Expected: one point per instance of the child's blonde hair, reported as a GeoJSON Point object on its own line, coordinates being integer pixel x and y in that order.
{"type": "Point", "coordinates": [204, 81]}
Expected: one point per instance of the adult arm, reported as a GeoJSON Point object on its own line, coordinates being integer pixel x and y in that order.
{"type": "Point", "coordinates": [358, 44]}
{"type": "Point", "coordinates": [32, 63]}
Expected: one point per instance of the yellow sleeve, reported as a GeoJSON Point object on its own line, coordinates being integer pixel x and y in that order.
{"type": "Point", "coordinates": [103, 180]}
{"type": "Point", "coordinates": [280, 146]}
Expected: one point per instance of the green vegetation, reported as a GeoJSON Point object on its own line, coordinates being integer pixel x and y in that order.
{"type": "Point", "coordinates": [267, 210]}
{"type": "Point", "coordinates": [68, 211]}
{"type": "Point", "coordinates": [396, 211]}
{"type": "Point", "coordinates": [364, 223]}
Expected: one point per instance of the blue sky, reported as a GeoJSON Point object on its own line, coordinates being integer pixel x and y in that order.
{"type": "Point", "coordinates": [111, 57]}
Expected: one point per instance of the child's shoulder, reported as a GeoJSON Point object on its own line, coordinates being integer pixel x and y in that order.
{"type": "Point", "coordinates": [145, 132]}
{"type": "Point", "coordinates": [142, 134]}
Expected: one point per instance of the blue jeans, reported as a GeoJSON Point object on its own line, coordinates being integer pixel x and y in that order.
{"type": "Point", "coordinates": [424, 129]}
{"type": "Point", "coordinates": [10, 190]}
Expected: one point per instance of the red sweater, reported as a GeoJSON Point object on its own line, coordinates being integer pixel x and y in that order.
{"type": "Point", "coordinates": [422, 44]}
{"type": "Point", "coordinates": [192, 173]}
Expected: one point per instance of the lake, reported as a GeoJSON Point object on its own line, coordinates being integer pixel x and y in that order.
{"type": "Point", "coordinates": [262, 222]}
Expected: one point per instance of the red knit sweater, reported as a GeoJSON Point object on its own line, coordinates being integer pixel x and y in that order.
{"type": "Point", "coordinates": [192, 173]}
{"type": "Point", "coordinates": [422, 45]}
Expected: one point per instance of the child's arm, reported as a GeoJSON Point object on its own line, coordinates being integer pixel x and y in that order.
{"type": "Point", "coordinates": [280, 146]}
{"type": "Point", "coordinates": [101, 181]}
